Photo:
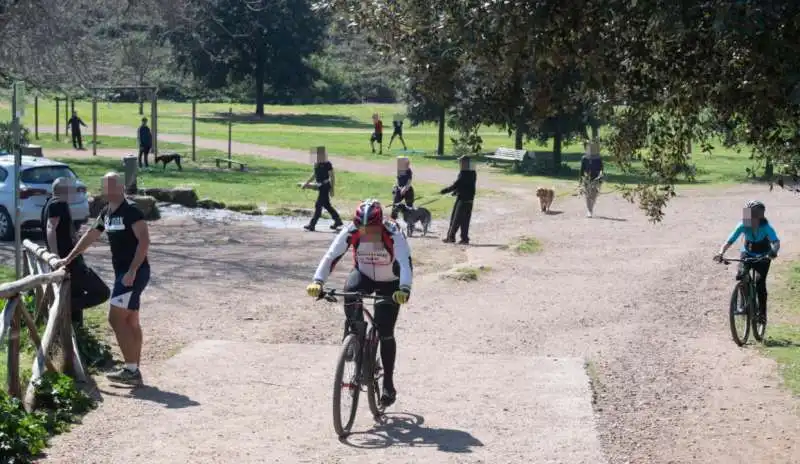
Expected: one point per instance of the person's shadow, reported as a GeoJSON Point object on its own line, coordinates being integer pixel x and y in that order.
{"type": "Point", "coordinates": [406, 429]}
{"type": "Point", "coordinates": [170, 400]}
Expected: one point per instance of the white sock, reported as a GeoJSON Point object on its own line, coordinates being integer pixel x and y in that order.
{"type": "Point", "coordinates": [132, 367]}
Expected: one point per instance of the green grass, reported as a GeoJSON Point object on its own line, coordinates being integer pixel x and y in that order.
{"type": "Point", "coordinates": [524, 246]}
{"type": "Point", "coordinates": [344, 130]}
{"type": "Point", "coordinates": [783, 336]}
{"type": "Point", "coordinates": [267, 183]}
{"type": "Point", "coordinates": [104, 142]}
{"type": "Point", "coordinates": [7, 274]}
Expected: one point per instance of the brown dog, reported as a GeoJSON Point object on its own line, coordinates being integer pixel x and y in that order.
{"type": "Point", "coordinates": [546, 197]}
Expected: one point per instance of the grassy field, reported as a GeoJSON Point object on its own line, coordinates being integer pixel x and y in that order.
{"type": "Point", "coordinates": [783, 335]}
{"type": "Point", "coordinates": [344, 129]}
{"type": "Point", "coordinates": [267, 183]}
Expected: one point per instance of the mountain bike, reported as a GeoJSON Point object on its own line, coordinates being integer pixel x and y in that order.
{"type": "Point", "coordinates": [359, 348]}
{"type": "Point", "coordinates": [745, 293]}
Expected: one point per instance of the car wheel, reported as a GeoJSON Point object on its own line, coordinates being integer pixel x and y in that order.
{"type": "Point", "coordinates": [6, 226]}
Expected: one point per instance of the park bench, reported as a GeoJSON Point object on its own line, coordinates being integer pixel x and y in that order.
{"type": "Point", "coordinates": [242, 166]}
{"type": "Point", "coordinates": [506, 155]}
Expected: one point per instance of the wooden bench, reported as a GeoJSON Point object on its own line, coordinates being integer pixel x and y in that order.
{"type": "Point", "coordinates": [507, 155]}
{"type": "Point", "coordinates": [242, 166]}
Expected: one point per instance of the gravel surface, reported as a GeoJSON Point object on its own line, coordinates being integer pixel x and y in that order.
{"type": "Point", "coordinates": [643, 304]}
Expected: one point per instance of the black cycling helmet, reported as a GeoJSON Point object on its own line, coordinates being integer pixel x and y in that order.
{"type": "Point", "coordinates": [756, 206]}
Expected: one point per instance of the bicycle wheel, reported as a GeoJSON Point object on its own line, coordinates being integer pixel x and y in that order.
{"type": "Point", "coordinates": [373, 372]}
{"type": "Point", "coordinates": [740, 320]}
{"type": "Point", "coordinates": [758, 321]}
{"type": "Point", "coordinates": [346, 386]}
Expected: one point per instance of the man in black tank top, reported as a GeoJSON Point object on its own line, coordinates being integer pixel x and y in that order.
{"type": "Point", "coordinates": [325, 183]}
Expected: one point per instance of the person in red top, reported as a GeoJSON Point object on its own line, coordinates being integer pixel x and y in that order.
{"type": "Point", "coordinates": [377, 136]}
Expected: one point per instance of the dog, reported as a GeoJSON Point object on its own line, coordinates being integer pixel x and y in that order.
{"type": "Point", "coordinates": [413, 215]}
{"type": "Point", "coordinates": [546, 197]}
{"type": "Point", "coordinates": [168, 158]}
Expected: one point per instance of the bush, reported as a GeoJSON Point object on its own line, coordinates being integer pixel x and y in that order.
{"type": "Point", "coordinates": [22, 435]}
{"type": "Point", "coordinates": [7, 136]}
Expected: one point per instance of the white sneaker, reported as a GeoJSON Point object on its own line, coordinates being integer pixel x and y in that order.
{"type": "Point", "coordinates": [588, 214]}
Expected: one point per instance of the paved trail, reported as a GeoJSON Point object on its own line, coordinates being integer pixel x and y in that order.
{"type": "Point", "coordinates": [239, 362]}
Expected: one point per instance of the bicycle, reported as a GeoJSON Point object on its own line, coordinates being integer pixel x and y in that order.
{"type": "Point", "coordinates": [360, 347]}
{"type": "Point", "coordinates": [745, 291]}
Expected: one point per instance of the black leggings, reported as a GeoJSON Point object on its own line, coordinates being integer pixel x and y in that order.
{"type": "Point", "coordinates": [398, 197]}
{"type": "Point", "coordinates": [324, 201]}
{"type": "Point", "coordinates": [762, 270]}
{"type": "Point", "coordinates": [88, 290]}
{"type": "Point", "coordinates": [386, 311]}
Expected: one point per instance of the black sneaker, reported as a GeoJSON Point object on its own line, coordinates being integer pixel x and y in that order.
{"type": "Point", "coordinates": [126, 376]}
{"type": "Point", "coordinates": [463, 242]}
{"type": "Point", "coordinates": [309, 227]}
{"type": "Point", "coordinates": [449, 240]}
{"type": "Point", "coordinates": [388, 398]}
{"type": "Point", "coordinates": [336, 225]}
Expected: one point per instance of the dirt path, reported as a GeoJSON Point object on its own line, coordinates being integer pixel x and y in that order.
{"type": "Point", "coordinates": [385, 166]}
{"type": "Point", "coordinates": [642, 304]}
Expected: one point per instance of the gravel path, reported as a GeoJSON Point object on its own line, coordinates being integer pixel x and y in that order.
{"type": "Point", "coordinates": [642, 304]}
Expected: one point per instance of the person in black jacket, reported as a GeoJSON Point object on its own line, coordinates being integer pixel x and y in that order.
{"type": "Point", "coordinates": [145, 142]}
{"type": "Point", "coordinates": [75, 124]}
{"type": "Point", "coordinates": [325, 181]}
{"type": "Point", "coordinates": [464, 189]}
{"type": "Point", "coordinates": [87, 288]}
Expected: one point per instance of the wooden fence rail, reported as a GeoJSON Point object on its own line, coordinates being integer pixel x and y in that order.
{"type": "Point", "coordinates": [52, 302]}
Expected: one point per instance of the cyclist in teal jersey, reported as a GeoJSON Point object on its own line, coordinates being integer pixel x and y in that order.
{"type": "Point", "coordinates": [760, 239]}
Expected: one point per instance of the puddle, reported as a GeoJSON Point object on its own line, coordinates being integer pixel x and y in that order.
{"type": "Point", "coordinates": [226, 216]}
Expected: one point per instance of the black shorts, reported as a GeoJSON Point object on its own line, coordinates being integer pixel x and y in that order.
{"type": "Point", "coordinates": [376, 137]}
{"type": "Point", "coordinates": [130, 297]}
{"type": "Point", "coordinates": [397, 131]}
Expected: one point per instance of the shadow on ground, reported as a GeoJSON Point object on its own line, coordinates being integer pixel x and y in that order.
{"type": "Point", "coordinates": [169, 400]}
{"type": "Point", "coordinates": [305, 120]}
{"type": "Point", "coordinates": [407, 429]}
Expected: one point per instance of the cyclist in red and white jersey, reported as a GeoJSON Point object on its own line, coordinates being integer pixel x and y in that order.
{"type": "Point", "coordinates": [382, 266]}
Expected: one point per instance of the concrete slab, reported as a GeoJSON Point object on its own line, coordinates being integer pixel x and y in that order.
{"type": "Point", "coordinates": [231, 402]}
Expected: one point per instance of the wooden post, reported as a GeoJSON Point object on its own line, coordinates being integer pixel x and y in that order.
{"type": "Point", "coordinates": [194, 130]}
{"type": "Point", "coordinates": [65, 313]}
{"type": "Point", "coordinates": [36, 116]}
{"type": "Point", "coordinates": [94, 126]}
{"type": "Point", "coordinates": [154, 117]}
{"type": "Point", "coordinates": [14, 388]}
{"type": "Point", "coordinates": [66, 116]}
{"type": "Point", "coordinates": [58, 119]}
{"type": "Point", "coordinates": [230, 131]}
{"type": "Point", "coordinates": [72, 104]}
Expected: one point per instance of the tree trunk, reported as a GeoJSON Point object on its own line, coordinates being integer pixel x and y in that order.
{"type": "Point", "coordinates": [595, 131]}
{"type": "Point", "coordinates": [769, 169]}
{"type": "Point", "coordinates": [440, 147]}
{"type": "Point", "coordinates": [141, 106]}
{"type": "Point", "coordinates": [557, 142]}
{"type": "Point", "coordinates": [260, 82]}
{"type": "Point", "coordinates": [519, 134]}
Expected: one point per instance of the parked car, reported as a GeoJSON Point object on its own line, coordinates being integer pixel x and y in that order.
{"type": "Point", "coordinates": [36, 185]}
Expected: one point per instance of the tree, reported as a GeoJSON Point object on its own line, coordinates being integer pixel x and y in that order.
{"type": "Point", "coordinates": [144, 56]}
{"type": "Point", "coordinates": [223, 41]}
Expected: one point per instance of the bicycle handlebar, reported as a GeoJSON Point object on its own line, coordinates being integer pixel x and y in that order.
{"type": "Point", "coordinates": [755, 259]}
{"type": "Point", "coordinates": [331, 294]}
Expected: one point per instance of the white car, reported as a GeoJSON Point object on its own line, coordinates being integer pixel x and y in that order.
{"type": "Point", "coordinates": [36, 185]}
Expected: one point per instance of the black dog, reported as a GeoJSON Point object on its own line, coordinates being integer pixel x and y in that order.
{"type": "Point", "coordinates": [168, 158]}
{"type": "Point", "coordinates": [413, 215]}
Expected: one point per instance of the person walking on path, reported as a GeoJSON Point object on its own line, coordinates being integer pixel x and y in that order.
{"type": "Point", "coordinates": [325, 182]}
{"type": "Point", "coordinates": [129, 238]}
{"type": "Point", "coordinates": [145, 139]}
{"type": "Point", "coordinates": [403, 190]}
{"type": "Point", "coordinates": [75, 124]}
{"type": "Point", "coordinates": [591, 173]}
{"type": "Point", "coordinates": [377, 135]}
{"type": "Point", "coordinates": [464, 189]}
{"type": "Point", "coordinates": [87, 288]}
{"type": "Point", "coordinates": [398, 131]}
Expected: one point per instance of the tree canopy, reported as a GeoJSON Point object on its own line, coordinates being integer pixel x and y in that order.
{"type": "Point", "coordinates": [224, 41]}
{"type": "Point", "coordinates": [660, 74]}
